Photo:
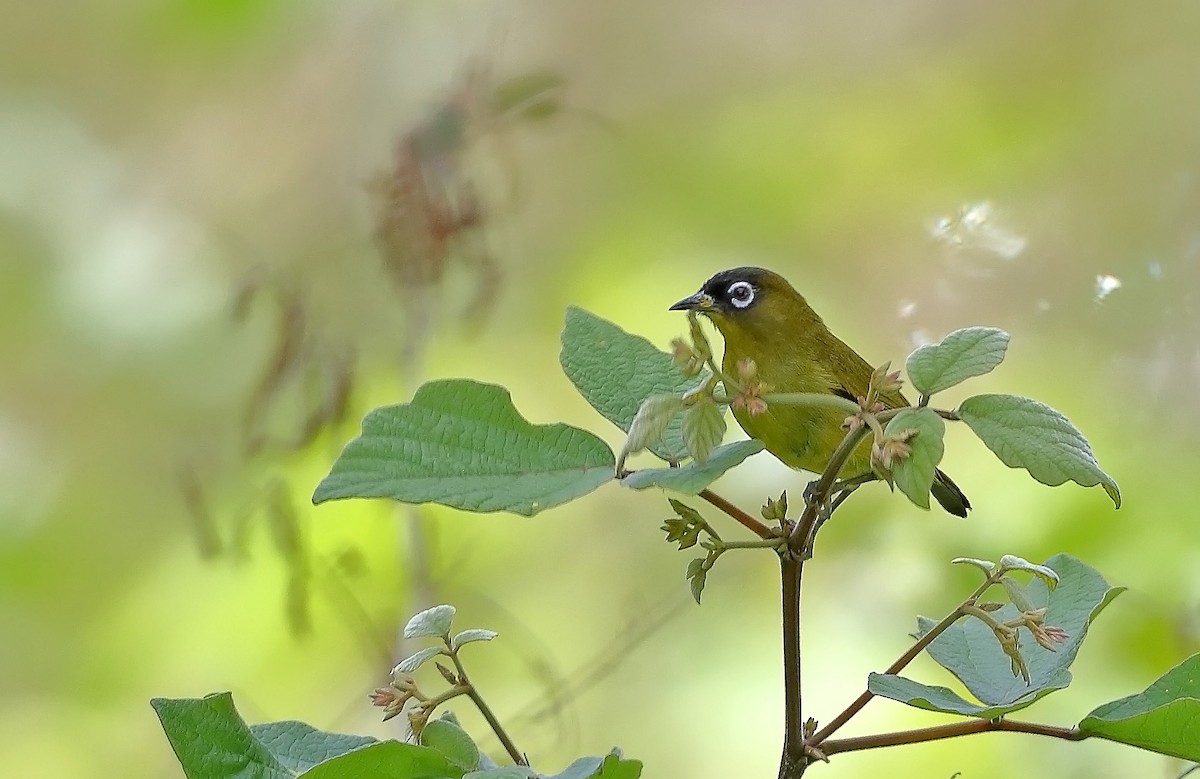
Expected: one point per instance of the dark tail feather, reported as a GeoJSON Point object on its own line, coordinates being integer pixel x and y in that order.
{"type": "Point", "coordinates": [949, 495]}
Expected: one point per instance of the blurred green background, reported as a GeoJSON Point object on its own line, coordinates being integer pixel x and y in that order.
{"type": "Point", "coordinates": [191, 223]}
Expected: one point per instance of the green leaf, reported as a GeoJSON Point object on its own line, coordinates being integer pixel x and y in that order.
{"type": "Point", "coordinates": [472, 635]}
{"type": "Point", "coordinates": [694, 477]}
{"type": "Point", "coordinates": [972, 351]}
{"type": "Point", "coordinates": [212, 741]}
{"type": "Point", "coordinates": [616, 767]}
{"type": "Point", "coordinates": [934, 698]}
{"type": "Point", "coordinates": [616, 371]}
{"type": "Point", "coordinates": [463, 444]}
{"type": "Point", "coordinates": [914, 474]}
{"type": "Point", "coordinates": [969, 650]}
{"type": "Point", "coordinates": [1162, 719]}
{"type": "Point", "coordinates": [453, 742]}
{"type": "Point", "coordinates": [503, 772]}
{"type": "Point", "coordinates": [1014, 563]}
{"type": "Point", "coordinates": [696, 576]}
{"type": "Point", "coordinates": [1027, 434]}
{"type": "Point", "coordinates": [299, 746]}
{"type": "Point", "coordinates": [387, 760]}
{"type": "Point", "coordinates": [987, 566]}
{"type": "Point", "coordinates": [416, 659]}
{"type": "Point", "coordinates": [686, 512]}
{"type": "Point", "coordinates": [433, 622]}
{"type": "Point", "coordinates": [703, 428]}
{"type": "Point", "coordinates": [1018, 594]}
{"type": "Point", "coordinates": [648, 427]}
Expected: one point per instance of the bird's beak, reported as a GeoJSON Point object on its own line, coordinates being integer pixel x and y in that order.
{"type": "Point", "coordinates": [698, 302]}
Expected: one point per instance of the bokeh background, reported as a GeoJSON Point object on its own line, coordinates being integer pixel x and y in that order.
{"type": "Point", "coordinates": [228, 229]}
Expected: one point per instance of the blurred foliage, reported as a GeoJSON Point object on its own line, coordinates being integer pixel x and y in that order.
{"type": "Point", "coordinates": [926, 166]}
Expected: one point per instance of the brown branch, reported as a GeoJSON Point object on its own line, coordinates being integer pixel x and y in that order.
{"type": "Point", "coordinates": [799, 538]}
{"type": "Point", "coordinates": [953, 730]}
{"type": "Point", "coordinates": [793, 760]}
{"type": "Point", "coordinates": [744, 519]}
{"type": "Point", "coordinates": [795, 757]}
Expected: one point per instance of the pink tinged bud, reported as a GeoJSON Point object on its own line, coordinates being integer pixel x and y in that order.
{"type": "Point", "coordinates": [418, 718]}
{"type": "Point", "coordinates": [890, 383]}
{"type": "Point", "coordinates": [890, 451]}
{"type": "Point", "coordinates": [405, 682]}
{"type": "Point", "coordinates": [1048, 637]}
{"type": "Point", "coordinates": [876, 407]}
{"type": "Point", "coordinates": [390, 700]}
{"type": "Point", "coordinates": [382, 696]}
{"type": "Point", "coordinates": [746, 369]}
{"type": "Point", "coordinates": [1057, 634]}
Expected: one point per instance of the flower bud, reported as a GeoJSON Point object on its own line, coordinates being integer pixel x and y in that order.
{"type": "Point", "coordinates": [390, 700]}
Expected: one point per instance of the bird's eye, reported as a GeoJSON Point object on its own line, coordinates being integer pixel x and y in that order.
{"type": "Point", "coordinates": [741, 294]}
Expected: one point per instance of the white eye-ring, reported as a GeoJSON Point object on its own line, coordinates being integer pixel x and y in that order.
{"type": "Point", "coordinates": [741, 294]}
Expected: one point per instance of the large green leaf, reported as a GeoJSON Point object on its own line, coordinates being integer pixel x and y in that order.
{"type": "Point", "coordinates": [212, 741]}
{"type": "Point", "coordinates": [1027, 434]}
{"type": "Point", "coordinates": [690, 479]}
{"type": "Point", "coordinates": [970, 651]}
{"type": "Point", "coordinates": [914, 474]}
{"type": "Point", "coordinates": [615, 371]}
{"type": "Point", "coordinates": [943, 699]}
{"type": "Point", "coordinates": [299, 746]}
{"type": "Point", "coordinates": [611, 766]}
{"type": "Point", "coordinates": [972, 351]}
{"type": "Point", "coordinates": [463, 444]}
{"type": "Point", "coordinates": [387, 760]}
{"type": "Point", "coordinates": [1164, 718]}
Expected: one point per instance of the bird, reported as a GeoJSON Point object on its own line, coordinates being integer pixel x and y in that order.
{"type": "Point", "coordinates": [763, 318]}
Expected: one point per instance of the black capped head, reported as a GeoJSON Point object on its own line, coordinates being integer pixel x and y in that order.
{"type": "Point", "coordinates": [733, 291]}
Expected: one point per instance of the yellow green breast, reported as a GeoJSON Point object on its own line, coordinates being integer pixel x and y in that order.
{"type": "Point", "coordinates": [800, 436]}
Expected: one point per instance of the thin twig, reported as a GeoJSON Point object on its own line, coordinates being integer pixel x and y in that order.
{"type": "Point", "coordinates": [487, 713]}
{"type": "Point", "coordinates": [953, 730]}
{"type": "Point", "coordinates": [747, 521]}
{"type": "Point", "coordinates": [765, 543]}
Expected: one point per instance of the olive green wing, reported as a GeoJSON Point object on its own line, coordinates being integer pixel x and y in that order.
{"type": "Point", "coordinates": [854, 376]}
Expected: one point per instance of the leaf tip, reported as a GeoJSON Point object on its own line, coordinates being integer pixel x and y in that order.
{"type": "Point", "coordinates": [1114, 492]}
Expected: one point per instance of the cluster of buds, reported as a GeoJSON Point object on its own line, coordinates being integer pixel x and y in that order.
{"type": "Point", "coordinates": [884, 381]}
{"type": "Point", "coordinates": [1049, 637]}
{"type": "Point", "coordinates": [751, 389]}
{"type": "Point", "coordinates": [1007, 633]}
{"type": "Point", "coordinates": [393, 697]}
{"type": "Point", "coordinates": [685, 528]}
{"type": "Point", "coordinates": [775, 510]}
{"type": "Point", "coordinates": [888, 450]}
